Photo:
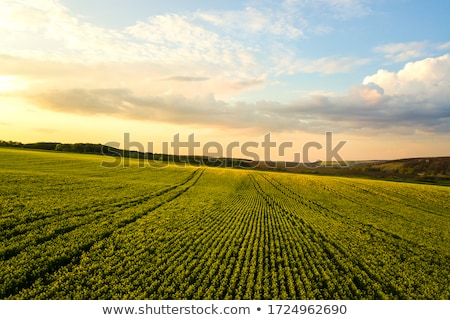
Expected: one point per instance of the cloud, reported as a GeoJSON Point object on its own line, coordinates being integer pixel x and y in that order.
{"type": "Point", "coordinates": [185, 79]}
{"type": "Point", "coordinates": [407, 51]}
{"type": "Point", "coordinates": [294, 19]}
{"type": "Point", "coordinates": [176, 38]}
{"type": "Point", "coordinates": [416, 98]}
{"type": "Point", "coordinates": [230, 48]}
{"type": "Point", "coordinates": [83, 101]}
{"type": "Point", "coordinates": [403, 51]}
{"type": "Point", "coordinates": [205, 110]}
{"type": "Point", "coordinates": [423, 78]}
{"type": "Point", "coordinates": [336, 9]}
{"type": "Point", "coordinates": [328, 65]}
{"type": "Point", "coordinates": [50, 32]}
{"type": "Point", "coordinates": [248, 83]}
{"type": "Point", "coordinates": [45, 30]}
{"type": "Point", "coordinates": [286, 61]}
{"type": "Point", "coordinates": [252, 20]}
{"type": "Point", "coordinates": [444, 46]}
{"type": "Point", "coordinates": [182, 68]}
{"type": "Point", "coordinates": [140, 77]}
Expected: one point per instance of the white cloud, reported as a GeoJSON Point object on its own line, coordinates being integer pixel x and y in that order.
{"type": "Point", "coordinates": [407, 51]}
{"type": "Point", "coordinates": [444, 46]}
{"type": "Point", "coordinates": [286, 61]}
{"type": "Point", "coordinates": [142, 77]}
{"type": "Point", "coordinates": [336, 9]}
{"type": "Point", "coordinates": [252, 20]}
{"type": "Point", "coordinates": [82, 68]}
{"type": "Point", "coordinates": [185, 78]}
{"type": "Point", "coordinates": [166, 45]}
{"type": "Point", "coordinates": [45, 29]}
{"type": "Point", "coordinates": [328, 65]}
{"type": "Point", "coordinates": [404, 51]}
{"type": "Point", "coordinates": [294, 19]}
{"type": "Point", "coordinates": [50, 39]}
{"type": "Point", "coordinates": [426, 77]}
{"type": "Point", "coordinates": [177, 39]}
{"type": "Point", "coordinates": [414, 99]}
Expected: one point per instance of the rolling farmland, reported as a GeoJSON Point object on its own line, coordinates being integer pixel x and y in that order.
{"type": "Point", "coordinates": [71, 229]}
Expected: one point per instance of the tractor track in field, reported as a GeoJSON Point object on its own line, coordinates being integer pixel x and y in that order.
{"type": "Point", "coordinates": [44, 262]}
{"type": "Point", "coordinates": [12, 246]}
{"type": "Point", "coordinates": [393, 199]}
{"type": "Point", "coordinates": [98, 208]}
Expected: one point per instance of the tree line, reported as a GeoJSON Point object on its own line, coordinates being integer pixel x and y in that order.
{"type": "Point", "coordinates": [100, 149]}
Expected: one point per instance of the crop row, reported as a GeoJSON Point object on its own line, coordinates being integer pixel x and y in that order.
{"type": "Point", "coordinates": [196, 233]}
{"type": "Point", "coordinates": [37, 261]}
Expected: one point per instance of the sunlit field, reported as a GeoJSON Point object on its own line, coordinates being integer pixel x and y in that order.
{"type": "Point", "coordinates": [72, 229]}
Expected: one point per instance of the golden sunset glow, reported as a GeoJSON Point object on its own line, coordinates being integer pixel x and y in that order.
{"type": "Point", "coordinates": [70, 71]}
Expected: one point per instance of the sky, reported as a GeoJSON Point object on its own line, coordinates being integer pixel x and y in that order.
{"type": "Point", "coordinates": [375, 73]}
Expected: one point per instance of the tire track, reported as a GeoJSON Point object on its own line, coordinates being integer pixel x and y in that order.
{"type": "Point", "coordinates": [14, 245]}
{"type": "Point", "coordinates": [38, 261]}
{"type": "Point", "coordinates": [100, 207]}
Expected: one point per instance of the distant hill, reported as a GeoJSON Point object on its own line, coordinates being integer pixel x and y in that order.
{"type": "Point", "coordinates": [437, 166]}
{"type": "Point", "coordinates": [424, 170]}
{"type": "Point", "coordinates": [430, 170]}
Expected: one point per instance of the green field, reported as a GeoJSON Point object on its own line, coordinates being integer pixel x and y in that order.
{"type": "Point", "coordinates": [71, 229]}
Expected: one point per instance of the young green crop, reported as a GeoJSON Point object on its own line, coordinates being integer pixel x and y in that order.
{"type": "Point", "coordinates": [71, 229]}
